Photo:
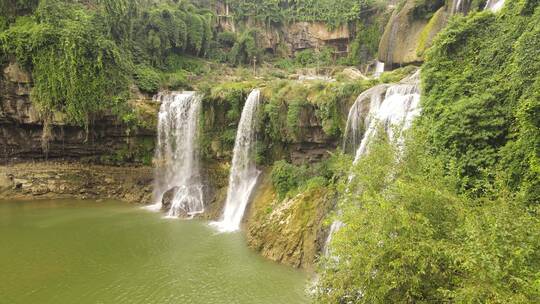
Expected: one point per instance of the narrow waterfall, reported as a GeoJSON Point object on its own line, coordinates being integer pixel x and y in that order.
{"type": "Point", "coordinates": [494, 5]}
{"type": "Point", "coordinates": [379, 69]}
{"type": "Point", "coordinates": [177, 176]}
{"type": "Point", "coordinates": [394, 113]}
{"type": "Point", "coordinates": [336, 225]}
{"type": "Point", "coordinates": [244, 173]}
{"type": "Point", "coordinates": [457, 6]}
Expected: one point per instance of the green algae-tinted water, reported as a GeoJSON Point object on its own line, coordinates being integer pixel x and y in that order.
{"type": "Point", "coordinates": [89, 252]}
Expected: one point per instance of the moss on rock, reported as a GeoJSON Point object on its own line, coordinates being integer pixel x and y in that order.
{"type": "Point", "coordinates": [289, 231]}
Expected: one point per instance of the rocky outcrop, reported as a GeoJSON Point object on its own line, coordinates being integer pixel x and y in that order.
{"type": "Point", "coordinates": [299, 36]}
{"type": "Point", "coordinates": [311, 144]}
{"type": "Point", "coordinates": [294, 36]}
{"type": "Point", "coordinates": [407, 36]}
{"type": "Point", "coordinates": [309, 35]}
{"type": "Point", "coordinates": [21, 129]}
{"type": "Point", "coordinates": [288, 231]}
{"type": "Point", "coordinates": [37, 180]}
{"type": "Point", "coordinates": [167, 198]}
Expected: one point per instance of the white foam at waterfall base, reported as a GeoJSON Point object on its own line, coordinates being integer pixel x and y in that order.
{"type": "Point", "coordinates": [393, 114]}
{"type": "Point", "coordinates": [244, 173]}
{"type": "Point", "coordinates": [176, 159]}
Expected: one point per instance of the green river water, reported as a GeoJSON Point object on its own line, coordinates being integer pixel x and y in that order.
{"type": "Point", "coordinates": [109, 252]}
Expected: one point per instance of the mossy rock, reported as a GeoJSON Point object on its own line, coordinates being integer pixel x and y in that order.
{"type": "Point", "coordinates": [288, 231]}
{"type": "Point", "coordinates": [407, 36]}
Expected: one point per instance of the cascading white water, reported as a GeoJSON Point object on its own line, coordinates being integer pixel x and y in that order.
{"type": "Point", "coordinates": [494, 5]}
{"type": "Point", "coordinates": [360, 114]}
{"type": "Point", "coordinates": [336, 225]}
{"type": "Point", "coordinates": [244, 173]}
{"type": "Point", "coordinates": [176, 159]}
{"type": "Point", "coordinates": [458, 6]}
{"type": "Point", "coordinates": [379, 69]}
{"type": "Point", "coordinates": [394, 113]}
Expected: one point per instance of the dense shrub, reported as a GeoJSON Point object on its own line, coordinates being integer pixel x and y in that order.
{"type": "Point", "coordinates": [286, 177]}
{"type": "Point", "coordinates": [479, 81]}
{"type": "Point", "coordinates": [454, 218]}
{"type": "Point", "coordinates": [424, 9]}
{"type": "Point", "coordinates": [311, 57]}
{"type": "Point", "coordinates": [226, 39]}
{"type": "Point", "coordinates": [76, 68]}
{"type": "Point", "coordinates": [177, 80]}
{"type": "Point", "coordinates": [332, 12]}
{"type": "Point", "coordinates": [410, 237]}
{"type": "Point", "coordinates": [147, 79]}
{"type": "Point", "coordinates": [82, 53]}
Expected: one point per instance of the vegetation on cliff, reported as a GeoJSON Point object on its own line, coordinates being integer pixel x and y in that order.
{"type": "Point", "coordinates": [410, 237]}
{"type": "Point", "coordinates": [451, 217]}
{"type": "Point", "coordinates": [331, 12]}
{"type": "Point", "coordinates": [83, 56]}
{"type": "Point", "coordinates": [482, 114]}
{"type": "Point", "coordinates": [455, 218]}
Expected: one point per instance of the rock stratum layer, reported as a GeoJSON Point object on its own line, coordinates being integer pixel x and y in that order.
{"type": "Point", "coordinates": [21, 129]}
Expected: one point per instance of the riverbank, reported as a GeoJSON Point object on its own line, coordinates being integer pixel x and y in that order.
{"type": "Point", "coordinates": [56, 180]}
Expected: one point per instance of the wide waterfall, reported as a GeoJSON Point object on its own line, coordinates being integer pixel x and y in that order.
{"type": "Point", "coordinates": [394, 113]}
{"type": "Point", "coordinates": [244, 173]}
{"type": "Point", "coordinates": [176, 161]}
{"type": "Point", "coordinates": [391, 108]}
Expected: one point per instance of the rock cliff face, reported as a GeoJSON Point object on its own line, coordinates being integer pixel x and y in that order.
{"type": "Point", "coordinates": [295, 36]}
{"type": "Point", "coordinates": [407, 36]}
{"type": "Point", "coordinates": [288, 231]}
{"type": "Point", "coordinates": [21, 129]}
{"type": "Point", "coordinates": [304, 35]}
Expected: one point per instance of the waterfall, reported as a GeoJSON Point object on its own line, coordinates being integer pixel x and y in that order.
{"type": "Point", "coordinates": [394, 113]}
{"type": "Point", "coordinates": [458, 6]}
{"type": "Point", "coordinates": [360, 114]}
{"type": "Point", "coordinates": [494, 5]}
{"type": "Point", "coordinates": [336, 225]}
{"type": "Point", "coordinates": [244, 173]}
{"type": "Point", "coordinates": [176, 161]}
{"type": "Point", "coordinates": [379, 69]}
